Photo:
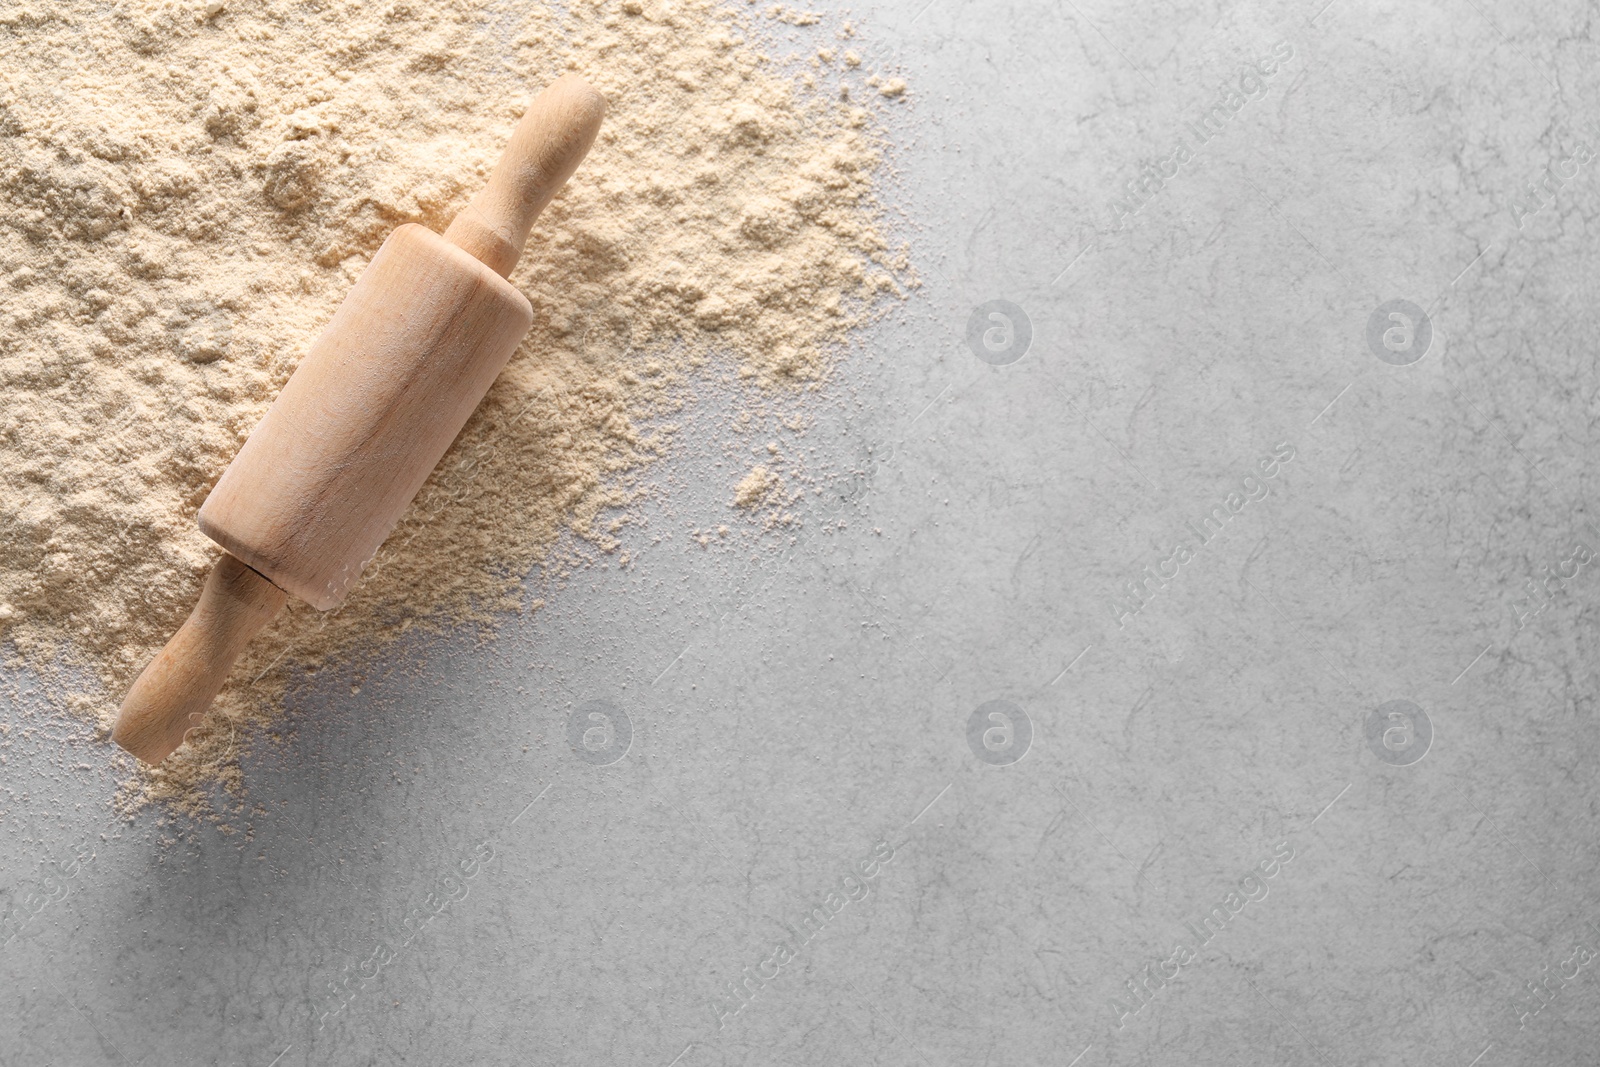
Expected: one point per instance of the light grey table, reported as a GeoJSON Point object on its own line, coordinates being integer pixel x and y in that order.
{"type": "Point", "coordinates": [1308, 783]}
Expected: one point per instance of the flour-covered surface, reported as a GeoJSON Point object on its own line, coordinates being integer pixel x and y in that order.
{"type": "Point", "coordinates": [187, 192]}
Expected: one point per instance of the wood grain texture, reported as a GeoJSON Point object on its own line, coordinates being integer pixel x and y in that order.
{"type": "Point", "coordinates": [171, 695]}
{"type": "Point", "coordinates": [366, 416]}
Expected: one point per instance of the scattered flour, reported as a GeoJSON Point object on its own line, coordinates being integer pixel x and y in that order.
{"type": "Point", "coordinates": [753, 490]}
{"type": "Point", "coordinates": [187, 191]}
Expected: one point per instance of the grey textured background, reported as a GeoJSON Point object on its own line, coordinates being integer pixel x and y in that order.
{"type": "Point", "coordinates": [793, 705]}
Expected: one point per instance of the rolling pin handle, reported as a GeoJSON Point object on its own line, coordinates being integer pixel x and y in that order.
{"type": "Point", "coordinates": [172, 694]}
{"type": "Point", "coordinates": [548, 144]}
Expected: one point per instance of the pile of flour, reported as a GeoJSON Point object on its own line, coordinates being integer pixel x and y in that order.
{"type": "Point", "coordinates": [187, 191]}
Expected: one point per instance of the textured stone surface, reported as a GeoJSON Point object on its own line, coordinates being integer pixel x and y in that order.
{"type": "Point", "coordinates": [799, 711]}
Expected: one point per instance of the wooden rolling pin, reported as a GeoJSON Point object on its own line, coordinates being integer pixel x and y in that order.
{"type": "Point", "coordinates": [363, 420]}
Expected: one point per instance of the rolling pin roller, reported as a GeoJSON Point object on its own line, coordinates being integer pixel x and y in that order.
{"type": "Point", "coordinates": [364, 419]}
